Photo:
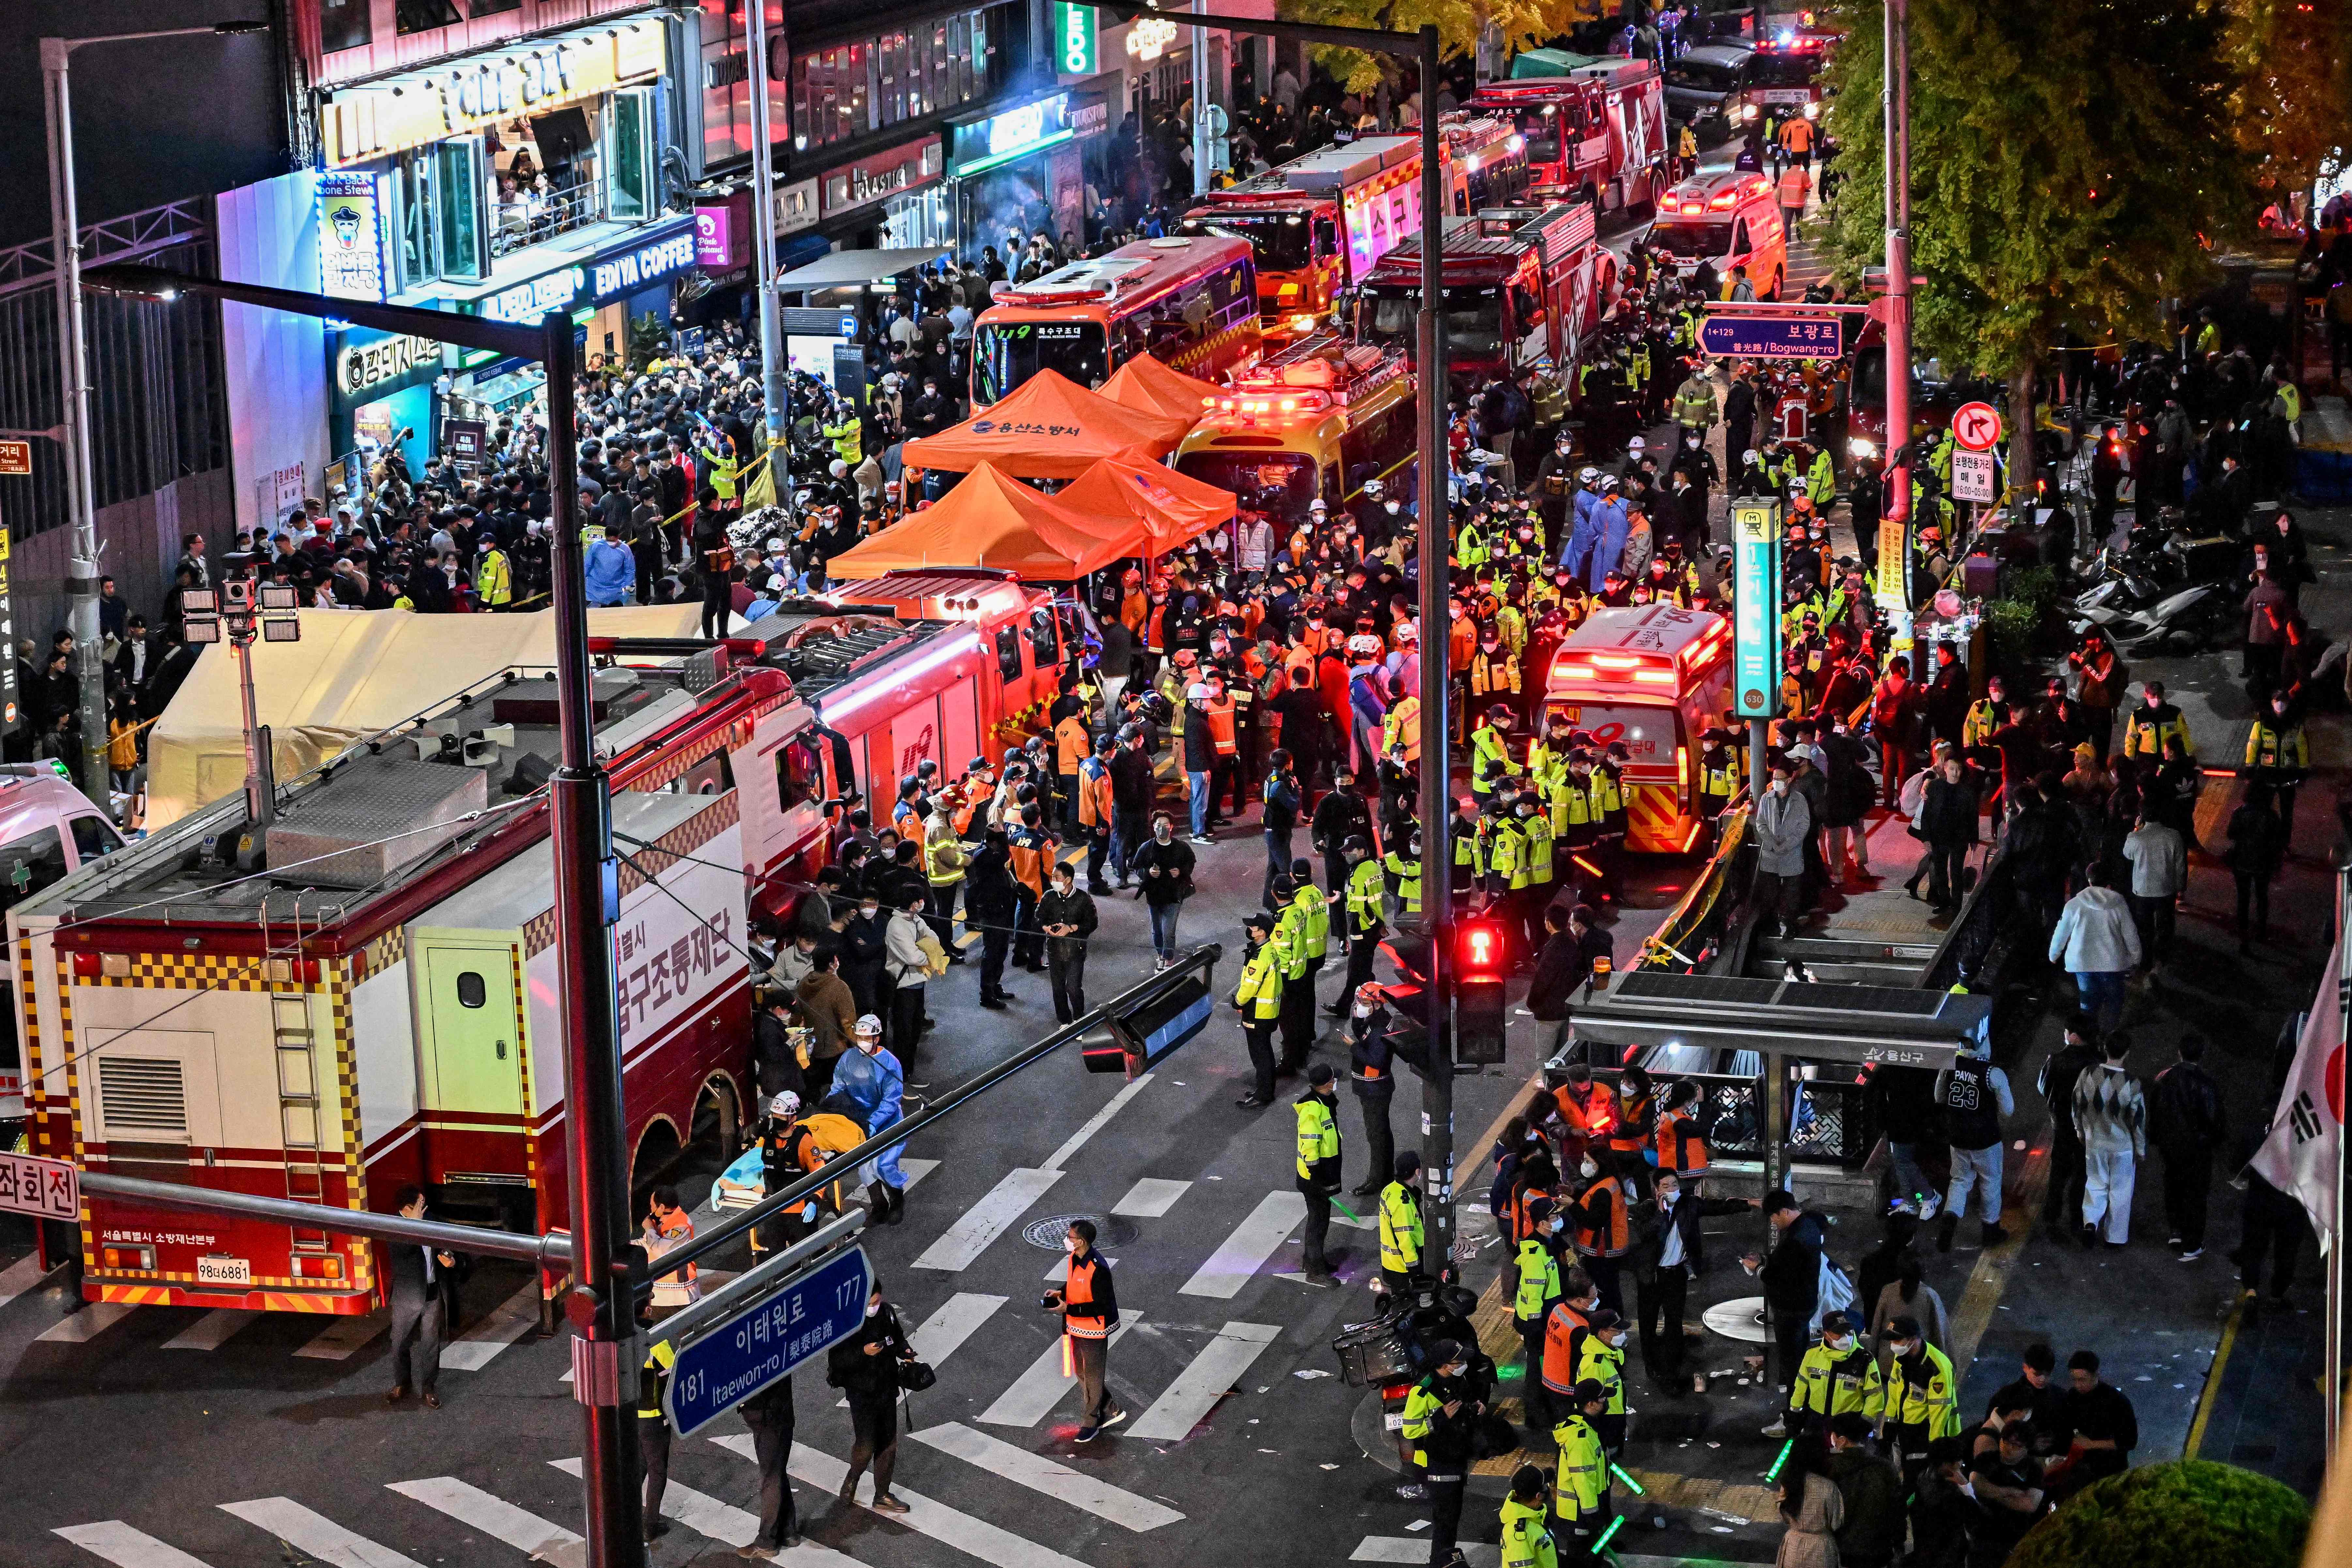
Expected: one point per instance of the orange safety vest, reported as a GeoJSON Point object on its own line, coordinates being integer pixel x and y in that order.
{"type": "Point", "coordinates": [1595, 1111]}
{"type": "Point", "coordinates": [1094, 799]}
{"type": "Point", "coordinates": [1564, 1335]}
{"type": "Point", "coordinates": [1460, 642]}
{"type": "Point", "coordinates": [1220, 725]}
{"type": "Point", "coordinates": [1633, 1125]}
{"type": "Point", "coordinates": [1616, 1239]}
{"type": "Point", "coordinates": [1079, 1290]}
{"type": "Point", "coordinates": [1073, 744]}
{"type": "Point", "coordinates": [1682, 1148]}
{"type": "Point", "coordinates": [1132, 609]}
{"type": "Point", "coordinates": [1030, 852]}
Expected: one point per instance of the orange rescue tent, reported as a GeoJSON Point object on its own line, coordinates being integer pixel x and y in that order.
{"type": "Point", "coordinates": [1156, 387]}
{"type": "Point", "coordinates": [993, 520]}
{"type": "Point", "coordinates": [1049, 428]}
{"type": "Point", "coordinates": [1172, 507]}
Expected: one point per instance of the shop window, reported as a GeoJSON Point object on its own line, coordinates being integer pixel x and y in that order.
{"type": "Point", "coordinates": [459, 219]}
{"type": "Point", "coordinates": [344, 25]}
{"type": "Point", "coordinates": [423, 15]}
{"type": "Point", "coordinates": [629, 160]}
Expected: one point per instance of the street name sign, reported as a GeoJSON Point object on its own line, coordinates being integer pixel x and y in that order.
{"type": "Point", "coordinates": [1772, 337]}
{"type": "Point", "coordinates": [15, 458]}
{"type": "Point", "coordinates": [758, 1346]}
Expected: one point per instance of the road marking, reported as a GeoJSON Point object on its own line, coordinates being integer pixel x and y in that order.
{"type": "Point", "coordinates": [315, 1535]}
{"type": "Point", "coordinates": [1989, 1280]}
{"type": "Point", "coordinates": [2212, 1389]}
{"type": "Point", "coordinates": [1040, 1474]}
{"type": "Point", "coordinates": [939, 1334]}
{"type": "Point", "coordinates": [127, 1548]}
{"type": "Point", "coordinates": [1200, 1385]}
{"type": "Point", "coordinates": [1095, 1124]}
{"type": "Point", "coordinates": [1036, 1392]}
{"type": "Point", "coordinates": [1060, 1273]}
{"type": "Point", "coordinates": [973, 1537]}
{"type": "Point", "coordinates": [1150, 1197]}
{"type": "Point", "coordinates": [81, 1328]}
{"type": "Point", "coordinates": [723, 1521]}
{"type": "Point", "coordinates": [1252, 1241]}
{"type": "Point", "coordinates": [493, 1516]}
{"type": "Point", "coordinates": [509, 1322]}
{"type": "Point", "coordinates": [988, 1218]}
{"type": "Point", "coordinates": [21, 1277]}
{"type": "Point", "coordinates": [212, 1330]}
{"type": "Point", "coordinates": [914, 1170]}
{"type": "Point", "coordinates": [340, 1338]}
{"type": "Point", "coordinates": [1413, 1549]}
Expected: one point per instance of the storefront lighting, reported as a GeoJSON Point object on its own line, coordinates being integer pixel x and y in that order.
{"type": "Point", "coordinates": [983, 165]}
{"type": "Point", "coordinates": [1148, 37]}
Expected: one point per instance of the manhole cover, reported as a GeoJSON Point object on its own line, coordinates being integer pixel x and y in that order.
{"type": "Point", "coordinates": [1047, 1234]}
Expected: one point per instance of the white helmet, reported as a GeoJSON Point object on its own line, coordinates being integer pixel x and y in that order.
{"type": "Point", "coordinates": [868, 1024]}
{"type": "Point", "coordinates": [1635, 445]}
{"type": "Point", "coordinates": [1587, 475]}
{"type": "Point", "coordinates": [1364, 643]}
{"type": "Point", "coordinates": [1749, 455]}
{"type": "Point", "coordinates": [785, 1104]}
{"type": "Point", "coordinates": [1196, 692]}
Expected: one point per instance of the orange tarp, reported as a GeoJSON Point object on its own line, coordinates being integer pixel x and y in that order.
{"type": "Point", "coordinates": [1050, 428]}
{"type": "Point", "coordinates": [1173, 507]}
{"type": "Point", "coordinates": [1157, 388]}
{"type": "Point", "coordinates": [992, 520]}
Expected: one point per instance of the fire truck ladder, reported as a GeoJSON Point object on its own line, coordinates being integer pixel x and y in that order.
{"type": "Point", "coordinates": [298, 1111]}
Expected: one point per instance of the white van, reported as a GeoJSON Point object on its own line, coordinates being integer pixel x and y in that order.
{"type": "Point", "coordinates": [49, 830]}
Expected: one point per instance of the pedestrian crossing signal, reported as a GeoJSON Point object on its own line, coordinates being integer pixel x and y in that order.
{"type": "Point", "coordinates": [1480, 949]}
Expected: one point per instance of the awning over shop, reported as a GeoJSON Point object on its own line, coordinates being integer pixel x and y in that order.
{"type": "Point", "coordinates": [1173, 508]}
{"type": "Point", "coordinates": [993, 520]}
{"type": "Point", "coordinates": [1050, 428]}
{"type": "Point", "coordinates": [845, 269]}
{"type": "Point", "coordinates": [1156, 387]}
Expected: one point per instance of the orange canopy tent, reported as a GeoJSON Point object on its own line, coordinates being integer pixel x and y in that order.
{"type": "Point", "coordinates": [1172, 507]}
{"type": "Point", "coordinates": [993, 520]}
{"type": "Point", "coordinates": [1049, 428]}
{"type": "Point", "coordinates": [1156, 387]}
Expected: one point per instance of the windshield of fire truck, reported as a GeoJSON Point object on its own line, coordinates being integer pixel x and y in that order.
{"type": "Point", "coordinates": [1774, 68]}
{"type": "Point", "coordinates": [1283, 241]}
{"type": "Point", "coordinates": [1006, 355]}
{"type": "Point", "coordinates": [1538, 126]}
{"type": "Point", "coordinates": [1472, 319]}
{"type": "Point", "coordinates": [1275, 484]}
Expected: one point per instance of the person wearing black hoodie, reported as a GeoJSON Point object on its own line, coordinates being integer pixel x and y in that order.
{"type": "Point", "coordinates": [988, 902]}
{"type": "Point", "coordinates": [1792, 1275]}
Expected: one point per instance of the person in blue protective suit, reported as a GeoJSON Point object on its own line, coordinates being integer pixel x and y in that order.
{"type": "Point", "coordinates": [1610, 524]}
{"type": "Point", "coordinates": [868, 1086]}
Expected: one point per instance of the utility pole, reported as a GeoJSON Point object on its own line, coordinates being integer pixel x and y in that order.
{"type": "Point", "coordinates": [775, 390]}
{"type": "Point", "coordinates": [1898, 262]}
{"type": "Point", "coordinates": [1204, 141]}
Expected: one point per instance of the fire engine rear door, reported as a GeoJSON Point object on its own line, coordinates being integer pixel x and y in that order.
{"type": "Point", "coordinates": [469, 1031]}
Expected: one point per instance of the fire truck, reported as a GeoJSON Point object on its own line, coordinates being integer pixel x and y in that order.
{"type": "Point", "coordinates": [1596, 135]}
{"type": "Point", "coordinates": [376, 1004]}
{"type": "Point", "coordinates": [1788, 67]}
{"type": "Point", "coordinates": [1318, 224]}
{"type": "Point", "coordinates": [1314, 422]}
{"type": "Point", "coordinates": [1523, 290]}
{"type": "Point", "coordinates": [1487, 160]}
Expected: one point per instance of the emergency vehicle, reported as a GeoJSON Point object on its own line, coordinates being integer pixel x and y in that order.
{"type": "Point", "coordinates": [1316, 420]}
{"type": "Point", "coordinates": [1318, 222]}
{"type": "Point", "coordinates": [1596, 134]}
{"type": "Point", "coordinates": [1787, 68]}
{"type": "Point", "coordinates": [1522, 293]}
{"type": "Point", "coordinates": [1657, 677]}
{"type": "Point", "coordinates": [1187, 300]}
{"type": "Point", "coordinates": [1487, 162]}
{"type": "Point", "coordinates": [383, 1010]}
{"type": "Point", "coordinates": [1731, 218]}
{"type": "Point", "coordinates": [48, 829]}
{"type": "Point", "coordinates": [1712, 89]}
{"type": "Point", "coordinates": [1023, 633]}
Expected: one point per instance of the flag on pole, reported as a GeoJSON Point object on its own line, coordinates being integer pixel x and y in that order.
{"type": "Point", "coordinates": [2299, 1156]}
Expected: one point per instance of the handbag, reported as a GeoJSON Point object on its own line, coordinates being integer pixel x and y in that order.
{"type": "Point", "coordinates": [915, 1376]}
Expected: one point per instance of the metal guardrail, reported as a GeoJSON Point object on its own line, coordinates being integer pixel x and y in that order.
{"type": "Point", "coordinates": [1830, 1120]}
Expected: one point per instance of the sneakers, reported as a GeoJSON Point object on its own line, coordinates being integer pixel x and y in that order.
{"type": "Point", "coordinates": [886, 1503]}
{"type": "Point", "coordinates": [1250, 1101]}
{"type": "Point", "coordinates": [2191, 1255]}
{"type": "Point", "coordinates": [1114, 1418]}
{"type": "Point", "coordinates": [1413, 1491]}
{"type": "Point", "coordinates": [1086, 1434]}
{"type": "Point", "coordinates": [1202, 839]}
{"type": "Point", "coordinates": [1778, 1429]}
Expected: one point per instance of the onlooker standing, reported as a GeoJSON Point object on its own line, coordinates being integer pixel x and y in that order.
{"type": "Point", "coordinates": [2111, 1113]}
{"type": "Point", "coordinates": [1067, 918]}
{"type": "Point", "coordinates": [1782, 826]}
{"type": "Point", "coordinates": [865, 1367]}
{"type": "Point", "coordinates": [909, 969]}
{"type": "Point", "coordinates": [1975, 1096]}
{"type": "Point", "coordinates": [1200, 757]}
{"type": "Point", "coordinates": [2097, 943]}
{"type": "Point", "coordinates": [2186, 1123]}
{"type": "Point", "coordinates": [1947, 821]}
{"type": "Point", "coordinates": [1281, 794]}
{"type": "Point", "coordinates": [1089, 1307]}
{"type": "Point", "coordinates": [1872, 1491]}
{"type": "Point", "coordinates": [1669, 1248]}
{"type": "Point", "coordinates": [1165, 866]}
{"type": "Point", "coordinates": [2257, 846]}
{"type": "Point", "coordinates": [2159, 863]}
{"type": "Point", "coordinates": [768, 1413]}
{"type": "Point", "coordinates": [1810, 1503]}
{"type": "Point", "coordinates": [1793, 1280]}
{"type": "Point", "coordinates": [420, 1306]}
{"type": "Point", "coordinates": [1132, 785]}
{"type": "Point", "coordinates": [2065, 1067]}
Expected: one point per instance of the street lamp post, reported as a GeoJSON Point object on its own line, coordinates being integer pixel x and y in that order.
{"type": "Point", "coordinates": [775, 392]}
{"type": "Point", "coordinates": [73, 382]}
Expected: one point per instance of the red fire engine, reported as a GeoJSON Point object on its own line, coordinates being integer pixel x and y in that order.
{"type": "Point", "coordinates": [1596, 134]}
{"type": "Point", "coordinates": [1523, 289]}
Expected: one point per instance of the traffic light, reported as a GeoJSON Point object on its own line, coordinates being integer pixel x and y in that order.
{"type": "Point", "coordinates": [1480, 948]}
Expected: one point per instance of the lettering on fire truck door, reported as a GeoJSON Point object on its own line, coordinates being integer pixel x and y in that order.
{"type": "Point", "coordinates": [469, 1032]}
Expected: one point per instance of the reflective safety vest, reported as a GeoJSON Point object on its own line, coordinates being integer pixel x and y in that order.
{"type": "Point", "coordinates": [1539, 838]}
{"type": "Point", "coordinates": [1635, 1122]}
{"type": "Point", "coordinates": [1539, 1284]}
{"type": "Point", "coordinates": [1525, 1543]}
{"type": "Point", "coordinates": [1572, 809]}
{"type": "Point", "coordinates": [1718, 775]}
{"type": "Point", "coordinates": [1401, 726]}
{"type": "Point", "coordinates": [1259, 996]}
{"type": "Point", "coordinates": [1315, 924]}
{"type": "Point", "coordinates": [1925, 1398]}
{"type": "Point", "coordinates": [1318, 1135]}
{"type": "Point", "coordinates": [1565, 1332]}
{"type": "Point", "coordinates": [1290, 934]}
{"type": "Point", "coordinates": [1606, 799]}
{"type": "Point", "coordinates": [943, 859]}
{"type": "Point", "coordinates": [1682, 1148]}
{"type": "Point", "coordinates": [1364, 895]}
{"type": "Point", "coordinates": [650, 1387]}
{"type": "Point", "coordinates": [1508, 854]}
{"type": "Point", "coordinates": [1604, 1364]}
{"type": "Point", "coordinates": [2277, 747]}
{"type": "Point", "coordinates": [1079, 1290]}
{"type": "Point", "coordinates": [847, 440]}
{"type": "Point", "coordinates": [493, 580]}
{"type": "Point", "coordinates": [1831, 1383]}
{"type": "Point", "coordinates": [1490, 759]}
{"type": "Point", "coordinates": [1400, 1229]}
{"type": "Point", "coordinates": [1611, 1237]}
{"type": "Point", "coordinates": [1470, 547]}
{"type": "Point", "coordinates": [1582, 1482]}
{"type": "Point", "coordinates": [1408, 882]}
{"type": "Point", "coordinates": [1421, 1407]}
{"type": "Point", "coordinates": [2292, 396]}
{"type": "Point", "coordinates": [2147, 731]}
{"type": "Point", "coordinates": [1821, 483]}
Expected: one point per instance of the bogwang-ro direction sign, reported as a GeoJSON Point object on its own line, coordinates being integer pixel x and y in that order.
{"type": "Point", "coordinates": [1772, 337]}
{"type": "Point", "coordinates": [760, 1345]}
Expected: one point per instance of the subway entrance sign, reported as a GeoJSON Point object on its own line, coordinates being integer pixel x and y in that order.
{"type": "Point", "coordinates": [1756, 611]}
{"type": "Point", "coordinates": [1772, 337]}
{"type": "Point", "coordinates": [759, 1345]}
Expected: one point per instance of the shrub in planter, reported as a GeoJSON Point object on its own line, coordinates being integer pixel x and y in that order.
{"type": "Point", "coordinates": [2192, 1513]}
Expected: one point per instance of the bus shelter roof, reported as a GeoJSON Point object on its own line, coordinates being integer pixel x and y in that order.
{"type": "Point", "coordinates": [845, 268]}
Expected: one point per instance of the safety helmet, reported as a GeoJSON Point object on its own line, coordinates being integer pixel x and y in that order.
{"type": "Point", "coordinates": [785, 1104]}
{"type": "Point", "coordinates": [868, 1025]}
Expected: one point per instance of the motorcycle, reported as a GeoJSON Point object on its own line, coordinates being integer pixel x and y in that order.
{"type": "Point", "coordinates": [2201, 617]}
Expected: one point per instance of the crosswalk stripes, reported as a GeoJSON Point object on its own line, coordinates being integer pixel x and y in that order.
{"type": "Point", "coordinates": [1077, 1140]}
{"type": "Point", "coordinates": [127, 1548]}
{"type": "Point", "coordinates": [509, 1322]}
{"type": "Point", "coordinates": [986, 1220]}
{"type": "Point", "coordinates": [342, 1337]}
{"type": "Point", "coordinates": [20, 1277]}
{"type": "Point", "coordinates": [1411, 1549]}
{"type": "Point", "coordinates": [1060, 1273]}
{"type": "Point", "coordinates": [493, 1516]}
{"type": "Point", "coordinates": [1151, 1198]}
{"type": "Point", "coordinates": [937, 1337]}
{"type": "Point", "coordinates": [212, 1330]}
{"type": "Point", "coordinates": [81, 1328]}
{"type": "Point", "coordinates": [315, 1535]}
{"type": "Point", "coordinates": [1205, 1381]}
{"type": "Point", "coordinates": [1036, 1392]}
{"type": "Point", "coordinates": [724, 1523]}
{"type": "Point", "coordinates": [1041, 1474]}
{"type": "Point", "coordinates": [973, 1537]}
{"type": "Point", "coordinates": [1245, 1250]}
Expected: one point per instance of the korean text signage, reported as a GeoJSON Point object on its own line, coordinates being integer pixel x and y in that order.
{"type": "Point", "coordinates": [46, 1189]}
{"type": "Point", "coordinates": [360, 368]}
{"type": "Point", "coordinates": [1972, 477]}
{"type": "Point", "coordinates": [1756, 611]}
{"type": "Point", "coordinates": [16, 459]}
{"type": "Point", "coordinates": [1771, 337]}
{"type": "Point", "coordinates": [760, 1345]}
{"type": "Point", "coordinates": [1076, 40]}
{"type": "Point", "coordinates": [391, 116]}
{"type": "Point", "coordinates": [884, 175]}
{"type": "Point", "coordinates": [1012, 133]}
{"type": "Point", "coordinates": [9, 698]}
{"type": "Point", "coordinates": [643, 266]}
{"type": "Point", "coordinates": [351, 236]}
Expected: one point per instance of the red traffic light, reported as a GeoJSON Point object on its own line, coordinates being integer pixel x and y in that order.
{"type": "Point", "coordinates": [1481, 948]}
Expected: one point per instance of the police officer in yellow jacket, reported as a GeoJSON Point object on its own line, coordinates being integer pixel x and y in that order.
{"type": "Point", "coordinates": [1534, 1291]}
{"type": "Point", "coordinates": [1602, 1364]}
{"type": "Point", "coordinates": [1401, 1232]}
{"type": "Point", "coordinates": [1527, 1537]}
{"type": "Point", "coordinates": [1580, 1495]}
{"type": "Point", "coordinates": [1365, 925]}
{"type": "Point", "coordinates": [1318, 1165]}
{"type": "Point", "coordinates": [1838, 1376]}
{"type": "Point", "coordinates": [1490, 755]}
{"type": "Point", "coordinates": [2277, 754]}
{"type": "Point", "coordinates": [1259, 999]}
{"type": "Point", "coordinates": [1304, 930]}
{"type": "Point", "coordinates": [1439, 1418]}
{"type": "Point", "coordinates": [1400, 874]}
{"type": "Point", "coordinates": [2154, 722]}
{"type": "Point", "coordinates": [653, 1429]}
{"type": "Point", "coordinates": [1920, 1403]}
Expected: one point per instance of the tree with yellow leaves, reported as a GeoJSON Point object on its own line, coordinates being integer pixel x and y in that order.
{"type": "Point", "coordinates": [1523, 24]}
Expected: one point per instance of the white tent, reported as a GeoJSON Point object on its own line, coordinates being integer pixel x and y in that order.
{"type": "Point", "coordinates": [354, 672]}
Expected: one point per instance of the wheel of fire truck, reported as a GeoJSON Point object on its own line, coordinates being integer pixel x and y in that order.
{"type": "Point", "coordinates": [655, 1162]}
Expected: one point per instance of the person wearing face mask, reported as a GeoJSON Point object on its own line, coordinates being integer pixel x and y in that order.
{"type": "Point", "coordinates": [2278, 755]}
{"type": "Point", "coordinates": [1602, 1227]}
{"type": "Point", "coordinates": [1318, 1167]}
{"type": "Point", "coordinates": [991, 904]}
{"type": "Point", "coordinates": [1067, 918]}
{"type": "Point", "coordinates": [869, 1080]}
{"type": "Point", "coordinates": [1535, 1288]}
{"type": "Point", "coordinates": [1669, 1249]}
{"type": "Point", "coordinates": [2153, 724]}
{"type": "Point", "coordinates": [1258, 999]}
{"type": "Point", "coordinates": [1580, 1499]}
{"type": "Point", "coordinates": [1527, 1537]}
{"type": "Point", "coordinates": [866, 1368]}
{"type": "Point", "coordinates": [1372, 1072]}
{"type": "Point", "coordinates": [1920, 1398]}
{"type": "Point", "coordinates": [1782, 825]}
{"type": "Point", "coordinates": [787, 1152]}
{"type": "Point", "coordinates": [1838, 1377]}
{"type": "Point", "coordinates": [864, 950]}
{"type": "Point", "coordinates": [1440, 1419]}
{"type": "Point", "coordinates": [1088, 1303]}
{"type": "Point", "coordinates": [1602, 1363]}
{"type": "Point", "coordinates": [1401, 1227]}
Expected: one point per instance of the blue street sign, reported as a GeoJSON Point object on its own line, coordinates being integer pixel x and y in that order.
{"type": "Point", "coordinates": [1756, 606]}
{"type": "Point", "coordinates": [1771, 337]}
{"type": "Point", "coordinates": [760, 1344]}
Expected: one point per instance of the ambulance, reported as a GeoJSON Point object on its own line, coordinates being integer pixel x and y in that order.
{"type": "Point", "coordinates": [1657, 677]}
{"type": "Point", "coordinates": [1313, 423]}
{"type": "Point", "coordinates": [1731, 218]}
